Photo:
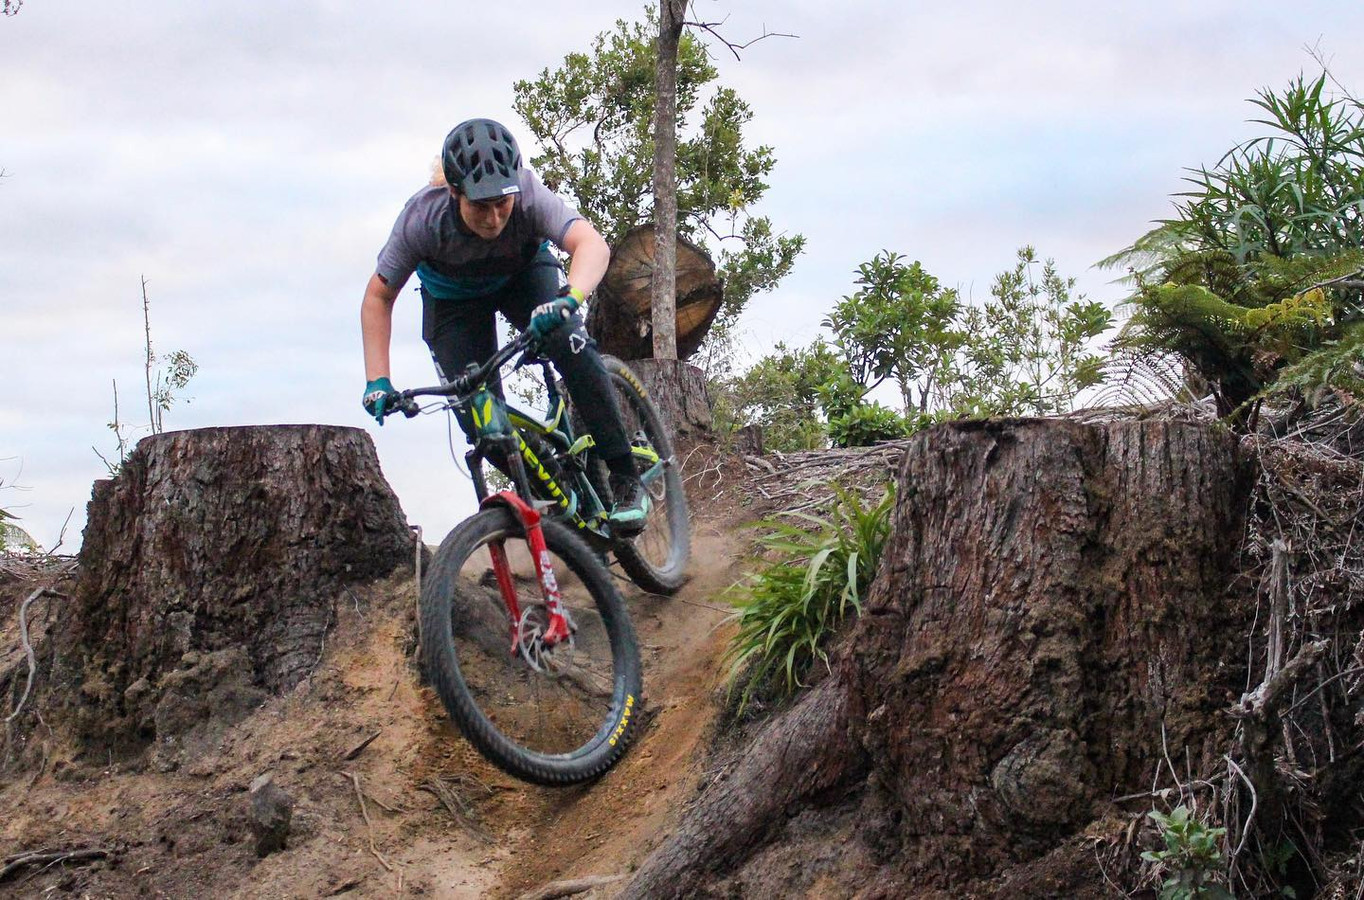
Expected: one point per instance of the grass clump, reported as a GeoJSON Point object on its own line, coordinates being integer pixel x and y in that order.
{"type": "Point", "coordinates": [816, 571]}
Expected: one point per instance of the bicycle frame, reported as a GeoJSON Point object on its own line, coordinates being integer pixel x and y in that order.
{"type": "Point", "coordinates": [501, 428]}
{"type": "Point", "coordinates": [501, 424]}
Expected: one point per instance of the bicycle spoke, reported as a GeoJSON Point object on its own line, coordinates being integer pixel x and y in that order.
{"type": "Point", "coordinates": [550, 700]}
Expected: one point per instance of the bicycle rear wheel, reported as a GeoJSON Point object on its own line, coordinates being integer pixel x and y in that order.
{"type": "Point", "coordinates": [657, 558]}
{"type": "Point", "coordinates": [550, 715]}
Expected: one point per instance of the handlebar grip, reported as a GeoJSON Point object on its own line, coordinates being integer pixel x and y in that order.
{"type": "Point", "coordinates": [399, 402]}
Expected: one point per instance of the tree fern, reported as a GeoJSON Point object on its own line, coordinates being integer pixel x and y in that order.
{"type": "Point", "coordinates": [1256, 281]}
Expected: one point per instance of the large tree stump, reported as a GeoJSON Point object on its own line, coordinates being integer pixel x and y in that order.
{"type": "Point", "coordinates": [1050, 617]}
{"type": "Point", "coordinates": [210, 569]}
{"type": "Point", "coordinates": [621, 317]}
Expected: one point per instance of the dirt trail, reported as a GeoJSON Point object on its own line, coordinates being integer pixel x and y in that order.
{"type": "Point", "coordinates": [184, 833]}
{"type": "Point", "coordinates": [607, 828]}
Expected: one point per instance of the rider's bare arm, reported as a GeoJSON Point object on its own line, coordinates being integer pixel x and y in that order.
{"type": "Point", "coordinates": [590, 256]}
{"type": "Point", "coordinates": [376, 325]}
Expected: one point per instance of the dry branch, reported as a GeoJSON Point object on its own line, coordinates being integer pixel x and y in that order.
{"type": "Point", "coordinates": [457, 808]}
{"type": "Point", "coordinates": [569, 887]}
{"type": "Point", "coordinates": [48, 858]}
{"type": "Point", "coordinates": [360, 747]}
{"type": "Point", "coordinates": [28, 646]}
{"type": "Point", "coordinates": [369, 826]}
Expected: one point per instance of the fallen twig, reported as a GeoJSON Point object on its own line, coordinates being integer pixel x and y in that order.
{"type": "Point", "coordinates": [45, 857]}
{"type": "Point", "coordinates": [369, 826]}
{"type": "Point", "coordinates": [360, 747]}
{"type": "Point", "coordinates": [457, 808]}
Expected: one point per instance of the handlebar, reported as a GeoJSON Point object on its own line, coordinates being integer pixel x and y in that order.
{"type": "Point", "coordinates": [467, 383]}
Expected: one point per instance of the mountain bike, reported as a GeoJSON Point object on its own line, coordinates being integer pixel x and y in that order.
{"type": "Point", "coordinates": [528, 642]}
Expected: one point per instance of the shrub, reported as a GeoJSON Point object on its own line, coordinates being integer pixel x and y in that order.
{"type": "Point", "coordinates": [816, 572]}
{"type": "Point", "coordinates": [1192, 861]}
{"type": "Point", "coordinates": [867, 423]}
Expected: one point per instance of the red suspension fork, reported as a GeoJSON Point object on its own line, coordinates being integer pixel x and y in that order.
{"type": "Point", "coordinates": [502, 569]}
{"type": "Point", "coordinates": [558, 628]}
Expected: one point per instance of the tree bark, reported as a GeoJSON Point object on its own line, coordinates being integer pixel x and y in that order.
{"type": "Point", "coordinates": [210, 569]}
{"type": "Point", "coordinates": [1049, 618]}
{"type": "Point", "coordinates": [671, 16]}
{"type": "Point", "coordinates": [798, 758]}
{"type": "Point", "coordinates": [678, 391]}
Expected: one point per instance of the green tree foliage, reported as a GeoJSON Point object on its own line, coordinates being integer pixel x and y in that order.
{"type": "Point", "coordinates": [1024, 351]}
{"type": "Point", "coordinates": [593, 117]}
{"type": "Point", "coordinates": [900, 324]}
{"type": "Point", "coordinates": [782, 393]}
{"type": "Point", "coordinates": [1257, 274]}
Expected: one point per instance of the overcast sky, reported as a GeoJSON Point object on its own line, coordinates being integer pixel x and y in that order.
{"type": "Point", "coordinates": [248, 160]}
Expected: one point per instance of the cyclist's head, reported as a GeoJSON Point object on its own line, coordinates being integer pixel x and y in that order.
{"type": "Point", "coordinates": [481, 160]}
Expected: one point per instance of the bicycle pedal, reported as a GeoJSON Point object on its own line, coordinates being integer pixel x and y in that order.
{"type": "Point", "coordinates": [543, 506]}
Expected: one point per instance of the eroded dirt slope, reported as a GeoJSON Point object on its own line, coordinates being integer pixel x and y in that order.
{"type": "Point", "coordinates": [184, 832]}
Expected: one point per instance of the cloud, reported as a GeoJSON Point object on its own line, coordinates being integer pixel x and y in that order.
{"type": "Point", "coordinates": [249, 160]}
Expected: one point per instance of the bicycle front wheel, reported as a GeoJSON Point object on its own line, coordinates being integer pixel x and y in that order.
{"type": "Point", "coordinates": [549, 714]}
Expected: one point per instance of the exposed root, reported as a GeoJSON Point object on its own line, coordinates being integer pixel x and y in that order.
{"type": "Point", "coordinates": [569, 887]}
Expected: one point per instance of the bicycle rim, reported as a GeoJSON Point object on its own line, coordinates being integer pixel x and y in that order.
{"type": "Point", "coordinates": [548, 714]}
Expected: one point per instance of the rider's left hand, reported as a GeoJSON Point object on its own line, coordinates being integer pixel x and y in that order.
{"type": "Point", "coordinates": [547, 317]}
{"type": "Point", "coordinates": [376, 394]}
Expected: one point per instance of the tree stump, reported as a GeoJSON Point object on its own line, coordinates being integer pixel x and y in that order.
{"type": "Point", "coordinates": [1049, 619]}
{"type": "Point", "coordinates": [210, 569]}
{"type": "Point", "coordinates": [678, 390]}
{"type": "Point", "coordinates": [621, 315]}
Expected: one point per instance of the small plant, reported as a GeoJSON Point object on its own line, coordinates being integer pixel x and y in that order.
{"type": "Point", "coordinates": [816, 573]}
{"type": "Point", "coordinates": [164, 383]}
{"type": "Point", "coordinates": [1191, 862]}
{"type": "Point", "coordinates": [14, 539]}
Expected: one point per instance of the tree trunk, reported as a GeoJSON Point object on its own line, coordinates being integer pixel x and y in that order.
{"type": "Point", "coordinates": [1049, 620]}
{"type": "Point", "coordinates": [210, 570]}
{"type": "Point", "coordinates": [671, 15]}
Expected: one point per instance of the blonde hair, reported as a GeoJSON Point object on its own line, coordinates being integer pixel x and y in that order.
{"type": "Point", "coordinates": [438, 174]}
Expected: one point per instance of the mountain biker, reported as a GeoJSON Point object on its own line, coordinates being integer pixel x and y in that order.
{"type": "Point", "coordinates": [478, 240]}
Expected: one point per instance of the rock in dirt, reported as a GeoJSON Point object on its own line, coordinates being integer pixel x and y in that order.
{"type": "Point", "coordinates": [271, 812]}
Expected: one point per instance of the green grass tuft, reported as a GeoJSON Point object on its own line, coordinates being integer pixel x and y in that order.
{"type": "Point", "coordinates": [816, 572]}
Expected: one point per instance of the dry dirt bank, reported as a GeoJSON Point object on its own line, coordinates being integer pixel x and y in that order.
{"type": "Point", "coordinates": [184, 832]}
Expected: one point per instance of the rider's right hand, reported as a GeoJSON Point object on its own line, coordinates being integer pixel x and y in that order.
{"type": "Point", "coordinates": [376, 397]}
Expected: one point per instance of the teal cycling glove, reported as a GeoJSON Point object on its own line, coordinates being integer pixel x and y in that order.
{"type": "Point", "coordinates": [548, 316]}
{"type": "Point", "coordinates": [376, 394]}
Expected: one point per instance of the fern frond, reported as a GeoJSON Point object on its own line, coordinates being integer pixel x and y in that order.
{"type": "Point", "coordinates": [1141, 378]}
{"type": "Point", "coordinates": [1337, 366]}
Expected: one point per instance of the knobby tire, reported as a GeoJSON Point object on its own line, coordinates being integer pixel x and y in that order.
{"type": "Point", "coordinates": [448, 595]}
{"type": "Point", "coordinates": [657, 559]}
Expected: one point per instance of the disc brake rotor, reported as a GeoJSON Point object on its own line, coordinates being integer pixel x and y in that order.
{"type": "Point", "coordinates": [530, 643]}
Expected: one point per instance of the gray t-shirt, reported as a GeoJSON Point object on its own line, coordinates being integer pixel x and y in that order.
{"type": "Point", "coordinates": [453, 262]}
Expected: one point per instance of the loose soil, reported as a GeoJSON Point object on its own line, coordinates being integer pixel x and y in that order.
{"type": "Point", "coordinates": [184, 832]}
